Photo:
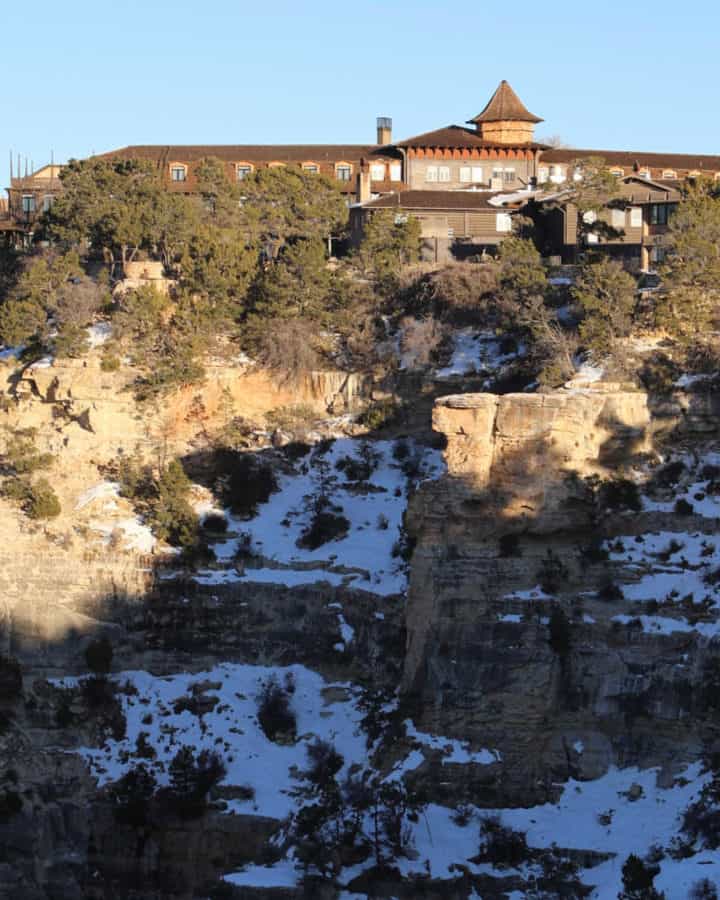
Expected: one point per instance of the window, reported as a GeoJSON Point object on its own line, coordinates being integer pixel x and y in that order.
{"type": "Point", "coordinates": [669, 173]}
{"type": "Point", "coordinates": [592, 238]}
{"type": "Point", "coordinates": [645, 173]}
{"type": "Point", "coordinates": [636, 217]}
{"type": "Point", "coordinates": [465, 174]}
{"type": "Point", "coordinates": [657, 254]}
{"type": "Point", "coordinates": [311, 168]}
{"type": "Point", "coordinates": [395, 172]}
{"type": "Point", "coordinates": [343, 171]}
{"type": "Point", "coordinates": [543, 174]}
{"type": "Point", "coordinates": [47, 203]}
{"type": "Point", "coordinates": [617, 218]}
{"type": "Point", "coordinates": [577, 173]}
{"type": "Point", "coordinates": [477, 174]}
{"type": "Point", "coordinates": [276, 165]}
{"type": "Point", "coordinates": [557, 174]}
{"type": "Point", "coordinates": [589, 217]}
{"type": "Point", "coordinates": [242, 170]}
{"type": "Point", "coordinates": [658, 213]}
{"type": "Point", "coordinates": [178, 173]}
{"type": "Point", "coordinates": [509, 175]}
{"type": "Point", "coordinates": [617, 172]}
{"type": "Point", "coordinates": [28, 203]}
{"type": "Point", "coordinates": [444, 173]}
{"type": "Point", "coordinates": [497, 173]}
{"type": "Point", "coordinates": [377, 171]}
{"type": "Point", "coordinates": [503, 222]}
{"type": "Point", "coordinates": [431, 173]}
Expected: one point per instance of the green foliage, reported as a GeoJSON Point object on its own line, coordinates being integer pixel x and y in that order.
{"type": "Point", "coordinates": [380, 414]}
{"type": "Point", "coordinates": [591, 193]}
{"type": "Point", "coordinates": [282, 204]}
{"type": "Point", "coordinates": [42, 502]}
{"type": "Point", "coordinates": [192, 778]}
{"type": "Point", "coordinates": [691, 274]}
{"type": "Point", "coordinates": [552, 573]}
{"type": "Point", "coordinates": [637, 879]}
{"type": "Point", "coordinates": [522, 275]}
{"type": "Point", "coordinates": [113, 204]}
{"type": "Point", "coordinates": [297, 283]}
{"type": "Point", "coordinates": [389, 243]}
{"type": "Point", "coordinates": [132, 795]}
{"type": "Point", "coordinates": [162, 500]}
{"type": "Point", "coordinates": [606, 294]}
{"type": "Point", "coordinates": [164, 337]}
{"type": "Point", "coordinates": [17, 463]}
{"type": "Point", "coordinates": [502, 845]}
{"type": "Point", "coordinates": [21, 456]}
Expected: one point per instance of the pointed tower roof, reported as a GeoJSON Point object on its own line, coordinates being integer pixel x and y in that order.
{"type": "Point", "coordinates": [505, 105]}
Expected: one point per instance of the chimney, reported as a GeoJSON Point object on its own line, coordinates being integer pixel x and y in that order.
{"type": "Point", "coordinates": [384, 130]}
{"type": "Point", "coordinates": [362, 192]}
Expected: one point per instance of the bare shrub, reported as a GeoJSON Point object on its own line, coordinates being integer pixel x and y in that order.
{"type": "Point", "coordinates": [288, 348]}
{"type": "Point", "coordinates": [419, 340]}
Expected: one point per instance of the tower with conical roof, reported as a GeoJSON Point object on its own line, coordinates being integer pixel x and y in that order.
{"type": "Point", "coordinates": [505, 119]}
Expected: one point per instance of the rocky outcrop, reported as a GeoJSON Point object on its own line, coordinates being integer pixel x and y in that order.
{"type": "Point", "coordinates": [482, 661]}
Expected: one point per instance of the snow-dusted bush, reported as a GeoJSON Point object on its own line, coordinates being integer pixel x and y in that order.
{"type": "Point", "coordinates": [275, 715]}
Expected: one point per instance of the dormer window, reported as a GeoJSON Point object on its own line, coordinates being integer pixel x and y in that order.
{"type": "Point", "coordinates": [311, 168]}
{"type": "Point", "coordinates": [276, 165]}
{"type": "Point", "coordinates": [644, 173]}
{"type": "Point", "coordinates": [343, 171]}
{"type": "Point", "coordinates": [377, 172]}
{"type": "Point", "coordinates": [178, 172]}
{"type": "Point", "coordinates": [669, 173]}
{"type": "Point", "coordinates": [242, 171]}
{"type": "Point", "coordinates": [617, 172]}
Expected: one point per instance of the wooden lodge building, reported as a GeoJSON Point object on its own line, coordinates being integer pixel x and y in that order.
{"type": "Point", "coordinates": [464, 183]}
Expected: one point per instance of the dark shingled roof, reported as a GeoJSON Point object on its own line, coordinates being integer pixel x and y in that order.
{"type": "Point", "coordinates": [435, 200]}
{"type": "Point", "coordinates": [246, 152]}
{"type": "Point", "coordinates": [505, 105]}
{"type": "Point", "coordinates": [456, 137]}
{"type": "Point", "coordinates": [629, 158]}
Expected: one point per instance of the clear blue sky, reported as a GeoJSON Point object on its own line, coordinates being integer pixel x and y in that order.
{"type": "Point", "coordinates": [82, 75]}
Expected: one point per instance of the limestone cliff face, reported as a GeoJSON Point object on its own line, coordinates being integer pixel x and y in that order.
{"type": "Point", "coordinates": [479, 662]}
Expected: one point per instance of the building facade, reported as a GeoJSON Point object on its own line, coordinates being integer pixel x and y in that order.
{"type": "Point", "coordinates": [463, 182]}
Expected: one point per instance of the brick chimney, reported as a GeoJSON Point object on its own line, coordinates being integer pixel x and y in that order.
{"type": "Point", "coordinates": [384, 130]}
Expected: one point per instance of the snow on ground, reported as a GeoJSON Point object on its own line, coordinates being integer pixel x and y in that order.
{"type": "Point", "coordinates": [99, 333]}
{"type": "Point", "coordinates": [479, 353]}
{"type": "Point", "coordinates": [623, 812]}
{"type": "Point", "coordinates": [671, 568]}
{"type": "Point", "coordinates": [106, 490]}
{"type": "Point", "coordinates": [365, 557]}
{"type": "Point", "coordinates": [135, 535]}
{"type": "Point", "coordinates": [534, 593]}
{"type": "Point", "coordinates": [454, 751]}
{"type": "Point", "coordinates": [10, 353]}
{"type": "Point", "coordinates": [232, 729]}
{"type": "Point", "coordinates": [693, 487]}
{"type": "Point", "coordinates": [627, 826]}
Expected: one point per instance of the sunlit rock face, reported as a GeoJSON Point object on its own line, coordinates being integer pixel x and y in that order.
{"type": "Point", "coordinates": [500, 549]}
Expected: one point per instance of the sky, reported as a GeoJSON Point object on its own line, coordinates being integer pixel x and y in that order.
{"type": "Point", "coordinates": [82, 77]}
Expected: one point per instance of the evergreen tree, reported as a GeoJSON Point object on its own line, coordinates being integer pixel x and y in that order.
{"type": "Point", "coordinates": [389, 242]}
{"type": "Point", "coordinates": [692, 270]}
{"type": "Point", "coordinates": [606, 294]}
